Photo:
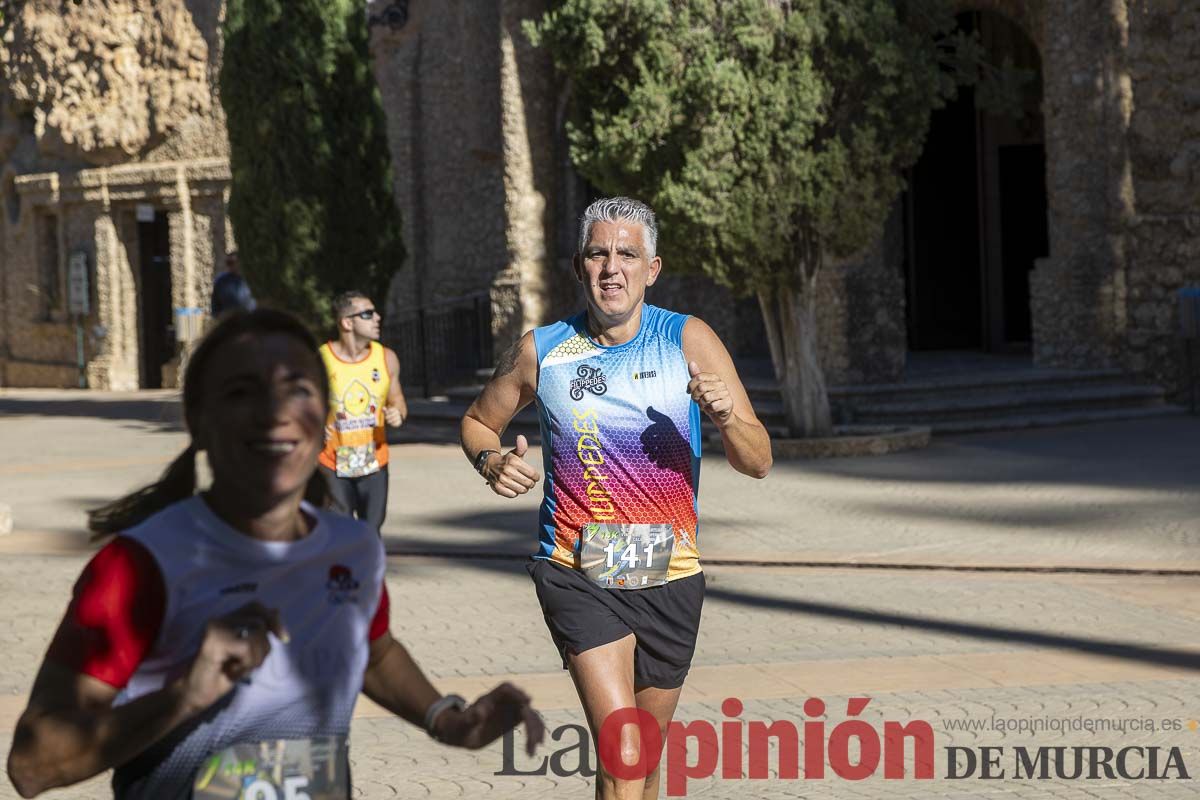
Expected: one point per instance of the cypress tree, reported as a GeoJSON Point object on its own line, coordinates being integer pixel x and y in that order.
{"type": "Point", "coordinates": [767, 135]}
{"type": "Point", "coordinates": [311, 203]}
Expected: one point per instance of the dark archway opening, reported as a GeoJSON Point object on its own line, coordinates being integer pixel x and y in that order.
{"type": "Point", "coordinates": [976, 212]}
{"type": "Point", "coordinates": [157, 334]}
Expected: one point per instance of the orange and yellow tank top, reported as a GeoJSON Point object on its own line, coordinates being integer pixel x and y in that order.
{"type": "Point", "coordinates": [357, 443]}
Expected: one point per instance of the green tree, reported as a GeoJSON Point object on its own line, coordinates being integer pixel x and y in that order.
{"type": "Point", "coordinates": [311, 202]}
{"type": "Point", "coordinates": [768, 135]}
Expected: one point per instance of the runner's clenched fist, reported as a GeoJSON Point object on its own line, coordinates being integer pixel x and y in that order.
{"type": "Point", "coordinates": [711, 394]}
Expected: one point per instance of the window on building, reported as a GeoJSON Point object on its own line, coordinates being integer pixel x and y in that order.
{"type": "Point", "coordinates": [49, 269]}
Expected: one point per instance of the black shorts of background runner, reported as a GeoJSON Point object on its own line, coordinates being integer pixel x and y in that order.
{"type": "Point", "coordinates": [582, 615]}
{"type": "Point", "coordinates": [365, 497]}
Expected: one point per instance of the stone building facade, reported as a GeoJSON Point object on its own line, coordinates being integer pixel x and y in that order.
{"type": "Point", "coordinates": [479, 171]}
{"type": "Point", "coordinates": [115, 175]}
{"type": "Point", "coordinates": [477, 117]}
{"type": "Point", "coordinates": [115, 114]}
{"type": "Point", "coordinates": [1120, 120]}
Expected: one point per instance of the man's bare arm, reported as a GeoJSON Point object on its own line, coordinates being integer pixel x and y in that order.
{"type": "Point", "coordinates": [395, 395]}
{"type": "Point", "coordinates": [511, 388]}
{"type": "Point", "coordinates": [718, 390]}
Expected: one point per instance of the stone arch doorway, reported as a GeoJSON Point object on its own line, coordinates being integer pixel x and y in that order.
{"type": "Point", "coordinates": [976, 212]}
{"type": "Point", "coordinates": [152, 274]}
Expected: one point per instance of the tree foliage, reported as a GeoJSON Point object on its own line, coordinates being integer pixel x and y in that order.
{"type": "Point", "coordinates": [765, 134]}
{"type": "Point", "coordinates": [311, 204]}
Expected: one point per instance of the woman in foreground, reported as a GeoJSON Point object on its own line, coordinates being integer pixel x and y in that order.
{"type": "Point", "coordinates": [217, 645]}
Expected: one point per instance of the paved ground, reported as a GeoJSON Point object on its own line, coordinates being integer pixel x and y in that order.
{"type": "Point", "coordinates": [788, 615]}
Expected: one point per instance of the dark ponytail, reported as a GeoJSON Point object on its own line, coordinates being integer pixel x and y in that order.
{"type": "Point", "coordinates": [177, 483]}
{"type": "Point", "coordinates": [179, 480]}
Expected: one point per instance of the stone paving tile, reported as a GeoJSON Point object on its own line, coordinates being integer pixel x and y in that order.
{"type": "Point", "coordinates": [420, 771]}
{"type": "Point", "coordinates": [1115, 494]}
{"type": "Point", "coordinates": [1037, 498]}
{"type": "Point", "coordinates": [787, 617]}
{"type": "Point", "coordinates": [499, 621]}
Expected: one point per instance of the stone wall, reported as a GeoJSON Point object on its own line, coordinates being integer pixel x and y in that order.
{"type": "Point", "coordinates": [1029, 15]}
{"type": "Point", "coordinates": [105, 80]}
{"type": "Point", "coordinates": [701, 297]}
{"type": "Point", "coordinates": [1123, 152]}
{"type": "Point", "coordinates": [91, 90]}
{"type": "Point", "coordinates": [472, 129]}
{"type": "Point", "coordinates": [489, 201]}
{"type": "Point", "coordinates": [114, 319]}
{"type": "Point", "coordinates": [1077, 292]}
{"type": "Point", "coordinates": [96, 212]}
{"type": "Point", "coordinates": [528, 89]}
{"type": "Point", "coordinates": [1163, 236]}
{"type": "Point", "coordinates": [42, 344]}
{"type": "Point", "coordinates": [1122, 120]}
{"type": "Point", "coordinates": [862, 336]}
{"type": "Point", "coordinates": [439, 76]}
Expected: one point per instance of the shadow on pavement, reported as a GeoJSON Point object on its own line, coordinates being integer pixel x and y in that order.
{"type": "Point", "coordinates": [498, 563]}
{"type": "Point", "coordinates": [1059, 515]}
{"type": "Point", "coordinates": [515, 535]}
{"type": "Point", "coordinates": [1139, 454]}
{"type": "Point", "coordinates": [162, 410]}
{"type": "Point", "coordinates": [1100, 647]}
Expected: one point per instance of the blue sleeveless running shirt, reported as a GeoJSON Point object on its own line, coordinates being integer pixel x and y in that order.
{"type": "Point", "coordinates": [620, 435]}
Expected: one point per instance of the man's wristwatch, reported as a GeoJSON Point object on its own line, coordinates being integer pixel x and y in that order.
{"type": "Point", "coordinates": [481, 459]}
{"type": "Point", "coordinates": [455, 701]}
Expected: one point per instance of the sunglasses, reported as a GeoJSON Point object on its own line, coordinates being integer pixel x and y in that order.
{"type": "Point", "coordinates": [369, 313]}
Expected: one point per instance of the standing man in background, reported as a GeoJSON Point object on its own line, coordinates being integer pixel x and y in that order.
{"type": "Point", "coordinates": [364, 394]}
{"type": "Point", "coordinates": [230, 291]}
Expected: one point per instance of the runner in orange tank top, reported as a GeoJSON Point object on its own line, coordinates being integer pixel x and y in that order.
{"type": "Point", "coordinates": [364, 395]}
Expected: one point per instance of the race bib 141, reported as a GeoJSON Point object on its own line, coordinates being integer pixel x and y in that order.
{"type": "Point", "coordinates": [626, 556]}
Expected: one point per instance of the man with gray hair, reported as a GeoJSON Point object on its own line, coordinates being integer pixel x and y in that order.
{"type": "Point", "coordinates": [620, 388]}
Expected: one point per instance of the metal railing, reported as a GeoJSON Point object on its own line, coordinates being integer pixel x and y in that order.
{"type": "Point", "coordinates": [443, 343]}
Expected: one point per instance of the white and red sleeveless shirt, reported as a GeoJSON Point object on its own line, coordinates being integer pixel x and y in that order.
{"type": "Point", "coordinates": [141, 606]}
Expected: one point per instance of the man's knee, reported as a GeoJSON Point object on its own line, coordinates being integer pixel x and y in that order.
{"type": "Point", "coordinates": [630, 747]}
{"type": "Point", "coordinates": [627, 756]}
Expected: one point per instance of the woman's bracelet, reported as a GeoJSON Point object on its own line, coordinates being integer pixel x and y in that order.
{"type": "Point", "coordinates": [455, 701]}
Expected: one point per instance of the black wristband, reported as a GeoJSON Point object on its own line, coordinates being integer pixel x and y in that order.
{"type": "Point", "coordinates": [481, 459]}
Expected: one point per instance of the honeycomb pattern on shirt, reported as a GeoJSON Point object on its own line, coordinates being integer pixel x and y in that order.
{"type": "Point", "coordinates": [622, 452]}
{"type": "Point", "coordinates": [571, 350]}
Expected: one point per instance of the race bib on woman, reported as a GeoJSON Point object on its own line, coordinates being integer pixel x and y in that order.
{"type": "Point", "coordinates": [277, 769]}
{"type": "Point", "coordinates": [626, 556]}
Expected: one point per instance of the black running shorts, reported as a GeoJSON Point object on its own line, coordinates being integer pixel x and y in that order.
{"type": "Point", "coordinates": [665, 620]}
